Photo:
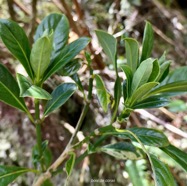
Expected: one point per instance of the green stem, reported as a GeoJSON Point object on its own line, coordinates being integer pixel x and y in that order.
{"type": "Point", "coordinates": [38, 132]}
{"type": "Point", "coordinates": [68, 148]}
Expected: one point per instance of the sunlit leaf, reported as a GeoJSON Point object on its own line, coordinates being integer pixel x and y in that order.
{"type": "Point", "coordinates": [15, 39]}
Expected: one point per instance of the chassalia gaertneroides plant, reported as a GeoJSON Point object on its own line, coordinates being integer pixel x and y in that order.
{"type": "Point", "coordinates": [148, 84]}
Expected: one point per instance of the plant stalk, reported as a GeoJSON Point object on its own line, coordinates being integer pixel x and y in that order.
{"type": "Point", "coordinates": [61, 158]}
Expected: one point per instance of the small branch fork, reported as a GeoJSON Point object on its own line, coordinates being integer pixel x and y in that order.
{"type": "Point", "coordinates": [48, 174]}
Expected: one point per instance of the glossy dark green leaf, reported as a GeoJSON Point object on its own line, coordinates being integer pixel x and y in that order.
{"type": "Point", "coordinates": [70, 163]}
{"type": "Point", "coordinates": [117, 93]}
{"type": "Point", "coordinates": [66, 55]}
{"type": "Point", "coordinates": [148, 39]}
{"type": "Point", "coordinates": [109, 45]}
{"type": "Point", "coordinates": [141, 93]}
{"type": "Point", "coordinates": [40, 55]}
{"type": "Point", "coordinates": [60, 26]}
{"type": "Point", "coordinates": [122, 150]}
{"type": "Point", "coordinates": [155, 72]}
{"type": "Point", "coordinates": [10, 91]}
{"type": "Point", "coordinates": [164, 70]}
{"type": "Point", "coordinates": [128, 73]}
{"type": "Point", "coordinates": [102, 93]}
{"type": "Point", "coordinates": [71, 68]}
{"type": "Point", "coordinates": [151, 137]}
{"type": "Point", "coordinates": [132, 53]}
{"type": "Point", "coordinates": [76, 78]}
{"type": "Point", "coordinates": [15, 39]}
{"type": "Point", "coordinates": [9, 174]}
{"type": "Point", "coordinates": [147, 136]}
{"type": "Point", "coordinates": [59, 96]}
{"type": "Point", "coordinates": [29, 90]}
{"type": "Point", "coordinates": [178, 155]}
{"type": "Point", "coordinates": [142, 74]}
{"type": "Point", "coordinates": [176, 87]}
{"type": "Point", "coordinates": [152, 102]}
{"type": "Point", "coordinates": [176, 76]}
{"type": "Point", "coordinates": [162, 174]}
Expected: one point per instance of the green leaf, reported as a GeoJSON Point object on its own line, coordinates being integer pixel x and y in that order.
{"type": "Point", "coordinates": [71, 68]}
{"type": "Point", "coordinates": [164, 71]}
{"type": "Point", "coordinates": [47, 183]}
{"type": "Point", "coordinates": [102, 93]}
{"type": "Point", "coordinates": [29, 90]}
{"type": "Point", "coordinates": [66, 55]}
{"type": "Point", "coordinates": [122, 150]}
{"type": "Point", "coordinates": [60, 26]}
{"type": "Point", "coordinates": [128, 73]}
{"type": "Point", "coordinates": [162, 59]}
{"type": "Point", "coordinates": [109, 45]}
{"type": "Point", "coordinates": [59, 96]}
{"type": "Point", "coordinates": [179, 156]}
{"type": "Point", "coordinates": [152, 102]}
{"type": "Point", "coordinates": [70, 163]}
{"type": "Point", "coordinates": [155, 72]}
{"type": "Point", "coordinates": [9, 174]}
{"type": "Point", "coordinates": [117, 92]}
{"type": "Point", "coordinates": [148, 39]}
{"type": "Point", "coordinates": [132, 53]}
{"type": "Point", "coordinates": [176, 76]}
{"type": "Point", "coordinates": [176, 87]}
{"type": "Point", "coordinates": [76, 78]}
{"type": "Point", "coordinates": [162, 174]}
{"type": "Point", "coordinates": [151, 137]}
{"type": "Point", "coordinates": [40, 55]}
{"type": "Point", "coordinates": [15, 39]}
{"type": "Point", "coordinates": [136, 172]}
{"type": "Point", "coordinates": [142, 74]}
{"type": "Point", "coordinates": [141, 93]}
{"type": "Point", "coordinates": [9, 90]}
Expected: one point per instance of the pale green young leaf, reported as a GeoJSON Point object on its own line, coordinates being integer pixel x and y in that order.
{"type": "Point", "coordinates": [36, 92]}
{"type": "Point", "coordinates": [142, 74]}
{"type": "Point", "coordinates": [10, 91]}
{"type": "Point", "coordinates": [141, 93]}
{"type": "Point", "coordinates": [9, 174]}
{"type": "Point", "coordinates": [40, 55]}
{"type": "Point", "coordinates": [70, 163]}
{"type": "Point", "coordinates": [155, 72]}
{"type": "Point", "coordinates": [59, 96]}
{"type": "Point", "coordinates": [148, 39]}
{"type": "Point", "coordinates": [29, 90]}
{"type": "Point", "coordinates": [162, 174]}
{"type": "Point", "coordinates": [15, 39]}
{"type": "Point", "coordinates": [23, 83]}
{"type": "Point", "coordinates": [122, 150]}
{"type": "Point", "coordinates": [178, 155]}
{"type": "Point", "coordinates": [132, 53]}
{"type": "Point", "coordinates": [102, 93]}
{"type": "Point", "coordinates": [109, 45]}
{"type": "Point", "coordinates": [66, 55]}
{"type": "Point", "coordinates": [60, 26]}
